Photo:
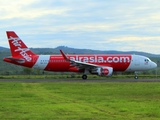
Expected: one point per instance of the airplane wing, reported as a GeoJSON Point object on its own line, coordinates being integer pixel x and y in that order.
{"type": "Point", "coordinates": [79, 64]}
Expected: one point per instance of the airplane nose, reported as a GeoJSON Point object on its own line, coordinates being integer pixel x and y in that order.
{"type": "Point", "coordinates": [154, 65]}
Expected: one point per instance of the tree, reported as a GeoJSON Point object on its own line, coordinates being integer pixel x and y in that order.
{"type": "Point", "coordinates": [27, 71]}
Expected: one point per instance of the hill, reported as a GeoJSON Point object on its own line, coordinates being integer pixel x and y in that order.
{"type": "Point", "coordinates": [87, 51]}
{"type": "Point", "coordinates": [3, 49]}
{"type": "Point", "coordinates": [81, 51]}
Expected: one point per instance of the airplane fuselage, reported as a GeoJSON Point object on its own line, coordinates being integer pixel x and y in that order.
{"type": "Point", "coordinates": [102, 65]}
{"type": "Point", "coordinates": [58, 63]}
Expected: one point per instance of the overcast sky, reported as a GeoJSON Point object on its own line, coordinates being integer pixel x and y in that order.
{"type": "Point", "coordinates": [125, 25]}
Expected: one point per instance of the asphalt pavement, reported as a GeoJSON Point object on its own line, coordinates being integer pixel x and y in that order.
{"type": "Point", "coordinates": [78, 80]}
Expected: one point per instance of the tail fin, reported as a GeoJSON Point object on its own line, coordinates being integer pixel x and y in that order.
{"type": "Point", "coordinates": [17, 47]}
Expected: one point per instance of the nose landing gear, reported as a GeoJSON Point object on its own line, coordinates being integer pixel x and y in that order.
{"type": "Point", "coordinates": [135, 75]}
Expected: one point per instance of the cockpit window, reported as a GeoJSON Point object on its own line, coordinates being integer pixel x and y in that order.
{"type": "Point", "coordinates": [146, 60]}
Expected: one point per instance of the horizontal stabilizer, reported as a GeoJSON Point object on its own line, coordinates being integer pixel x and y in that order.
{"type": "Point", "coordinates": [19, 60]}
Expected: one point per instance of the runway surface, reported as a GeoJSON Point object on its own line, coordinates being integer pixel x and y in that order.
{"type": "Point", "coordinates": [78, 80]}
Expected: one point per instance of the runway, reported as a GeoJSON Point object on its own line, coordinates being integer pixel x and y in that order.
{"type": "Point", "coordinates": [78, 80]}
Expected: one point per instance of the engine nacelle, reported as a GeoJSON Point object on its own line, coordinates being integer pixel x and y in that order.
{"type": "Point", "coordinates": [105, 71]}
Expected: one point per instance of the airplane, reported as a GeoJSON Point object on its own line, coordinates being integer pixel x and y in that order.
{"type": "Point", "coordinates": [99, 64]}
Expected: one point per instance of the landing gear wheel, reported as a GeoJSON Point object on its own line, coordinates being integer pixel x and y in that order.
{"type": "Point", "coordinates": [84, 77]}
{"type": "Point", "coordinates": [135, 77]}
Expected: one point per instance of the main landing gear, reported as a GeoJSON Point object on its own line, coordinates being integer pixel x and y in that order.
{"type": "Point", "coordinates": [135, 75]}
{"type": "Point", "coordinates": [84, 76]}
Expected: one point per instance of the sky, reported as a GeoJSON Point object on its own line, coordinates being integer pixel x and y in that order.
{"type": "Point", "coordinates": [123, 25]}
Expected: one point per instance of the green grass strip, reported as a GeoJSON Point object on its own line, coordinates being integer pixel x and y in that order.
{"type": "Point", "coordinates": [82, 101]}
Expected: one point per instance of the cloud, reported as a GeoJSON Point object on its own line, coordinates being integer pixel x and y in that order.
{"type": "Point", "coordinates": [22, 10]}
{"type": "Point", "coordinates": [117, 25]}
{"type": "Point", "coordinates": [134, 38]}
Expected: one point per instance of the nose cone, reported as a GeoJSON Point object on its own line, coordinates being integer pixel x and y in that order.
{"type": "Point", "coordinates": [154, 65]}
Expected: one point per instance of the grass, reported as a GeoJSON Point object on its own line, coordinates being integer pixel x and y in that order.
{"type": "Point", "coordinates": [82, 101]}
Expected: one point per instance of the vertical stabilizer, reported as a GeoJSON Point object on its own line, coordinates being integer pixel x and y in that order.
{"type": "Point", "coordinates": [17, 47]}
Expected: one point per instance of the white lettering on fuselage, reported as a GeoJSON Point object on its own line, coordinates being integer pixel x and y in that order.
{"type": "Point", "coordinates": [101, 59]}
{"type": "Point", "coordinates": [22, 51]}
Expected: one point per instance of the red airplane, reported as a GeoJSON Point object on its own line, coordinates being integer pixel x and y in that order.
{"type": "Point", "coordinates": [102, 65]}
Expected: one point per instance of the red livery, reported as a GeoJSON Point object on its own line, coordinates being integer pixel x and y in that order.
{"type": "Point", "coordinates": [100, 64]}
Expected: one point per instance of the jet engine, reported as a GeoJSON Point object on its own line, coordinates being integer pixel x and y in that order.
{"type": "Point", "coordinates": [105, 71]}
